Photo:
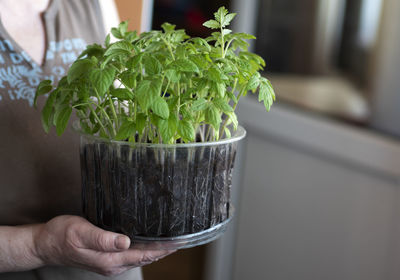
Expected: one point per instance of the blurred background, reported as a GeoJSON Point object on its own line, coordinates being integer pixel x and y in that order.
{"type": "Point", "coordinates": [316, 187]}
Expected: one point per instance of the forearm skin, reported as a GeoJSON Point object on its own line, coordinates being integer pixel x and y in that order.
{"type": "Point", "coordinates": [18, 249]}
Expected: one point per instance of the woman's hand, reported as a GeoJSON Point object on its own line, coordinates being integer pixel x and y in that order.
{"type": "Point", "coordinates": [73, 241]}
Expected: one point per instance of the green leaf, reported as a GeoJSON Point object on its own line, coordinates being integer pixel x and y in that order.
{"type": "Point", "coordinates": [63, 99]}
{"type": "Point", "coordinates": [79, 68]}
{"type": "Point", "coordinates": [232, 96]}
{"type": "Point", "coordinates": [201, 42]}
{"type": "Point", "coordinates": [214, 74]}
{"type": "Point", "coordinates": [254, 81]}
{"type": "Point", "coordinates": [119, 48]}
{"type": "Point", "coordinates": [199, 105]}
{"type": "Point", "coordinates": [122, 27]}
{"type": "Point", "coordinates": [263, 92]}
{"type": "Point", "coordinates": [233, 119]}
{"type": "Point", "coordinates": [151, 65]}
{"type": "Point", "coordinates": [92, 50]}
{"type": "Point", "coordinates": [227, 132]}
{"type": "Point", "coordinates": [43, 88]}
{"type": "Point", "coordinates": [95, 128]}
{"type": "Point", "coordinates": [48, 111]}
{"type": "Point", "coordinates": [126, 130]}
{"type": "Point", "coordinates": [187, 114]}
{"type": "Point", "coordinates": [220, 14]}
{"type": "Point", "coordinates": [102, 79]}
{"type": "Point", "coordinates": [160, 107]}
{"type": "Point", "coordinates": [107, 40]}
{"type": "Point", "coordinates": [147, 91]}
{"type": "Point", "coordinates": [134, 61]}
{"type": "Point", "coordinates": [227, 19]}
{"type": "Point", "coordinates": [266, 94]}
{"type": "Point", "coordinates": [178, 36]}
{"type": "Point", "coordinates": [140, 122]}
{"type": "Point", "coordinates": [181, 51]}
{"type": "Point", "coordinates": [168, 128]}
{"type": "Point", "coordinates": [184, 65]}
{"type": "Point", "coordinates": [167, 27]}
{"type": "Point", "coordinates": [245, 36]}
{"type": "Point", "coordinates": [213, 24]}
{"type": "Point", "coordinates": [241, 44]}
{"type": "Point", "coordinates": [222, 105]}
{"type": "Point", "coordinates": [131, 36]}
{"type": "Point", "coordinates": [85, 127]}
{"type": "Point", "coordinates": [128, 79]}
{"type": "Point", "coordinates": [116, 33]}
{"type": "Point", "coordinates": [221, 89]}
{"type": "Point", "coordinates": [213, 117]}
{"type": "Point", "coordinates": [271, 90]}
{"type": "Point", "coordinates": [201, 84]}
{"type": "Point", "coordinates": [267, 104]}
{"type": "Point", "coordinates": [61, 118]}
{"type": "Point", "coordinates": [200, 61]}
{"type": "Point", "coordinates": [226, 31]}
{"type": "Point", "coordinates": [121, 93]}
{"type": "Point", "coordinates": [172, 75]}
{"type": "Point", "coordinates": [186, 131]}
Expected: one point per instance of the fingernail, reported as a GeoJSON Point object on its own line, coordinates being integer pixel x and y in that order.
{"type": "Point", "coordinates": [122, 242]}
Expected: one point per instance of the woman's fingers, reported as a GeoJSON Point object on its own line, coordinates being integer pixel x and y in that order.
{"type": "Point", "coordinates": [73, 241]}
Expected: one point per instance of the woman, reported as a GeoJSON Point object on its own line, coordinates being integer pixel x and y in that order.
{"type": "Point", "coordinates": [39, 173]}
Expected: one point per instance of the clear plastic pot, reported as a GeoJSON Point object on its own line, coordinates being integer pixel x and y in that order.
{"type": "Point", "coordinates": [160, 195]}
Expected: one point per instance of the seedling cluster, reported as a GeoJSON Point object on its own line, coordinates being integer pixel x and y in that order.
{"type": "Point", "coordinates": [159, 86]}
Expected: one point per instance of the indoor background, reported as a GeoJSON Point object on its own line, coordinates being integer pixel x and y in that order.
{"type": "Point", "coordinates": [317, 179]}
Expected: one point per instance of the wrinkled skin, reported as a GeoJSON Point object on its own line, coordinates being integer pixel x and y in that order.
{"type": "Point", "coordinates": [73, 241]}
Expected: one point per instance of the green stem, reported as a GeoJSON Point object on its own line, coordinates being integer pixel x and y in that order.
{"type": "Point", "coordinates": [201, 133]}
{"type": "Point", "coordinates": [227, 45]}
{"type": "Point", "coordinates": [179, 101]}
{"type": "Point", "coordinates": [80, 104]}
{"type": "Point", "coordinates": [166, 89]}
{"type": "Point", "coordinates": [169, 48]}
{"type": "Point", "coordinates": [135, 110]}
{"type": "Point", "coordinates": [221, 131]}
{"type": "Point", "coordinates": [222, 43]}
{"type": "Point", "coordinates": [113, 111]}
{"type": "Point", "coordinates": [108, 119]}
{"type": "Point", "coordinates": [104, 112]}
{"type": "Point", "coordinates": [98, 119]}
{"type": "Point", "coordinates": [209, 128]}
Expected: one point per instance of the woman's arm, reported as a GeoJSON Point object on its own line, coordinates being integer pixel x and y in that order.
{"type": "Point", "coordinates": [70, 241]}
{"type": "Point", "coordinates": [17, 248]}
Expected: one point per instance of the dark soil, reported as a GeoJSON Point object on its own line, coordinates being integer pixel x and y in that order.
{"type": "Point", "coordinates": [156, 192]}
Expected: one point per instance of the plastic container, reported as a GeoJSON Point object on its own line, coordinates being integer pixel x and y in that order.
{"type": "Point", "coordinates": [160, 195]}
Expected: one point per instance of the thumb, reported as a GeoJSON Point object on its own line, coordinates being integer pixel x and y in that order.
{"type": "Point", "coordinates": [97, 239]}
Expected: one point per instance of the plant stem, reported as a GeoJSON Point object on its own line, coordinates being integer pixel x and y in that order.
{"type": "Point", "coordinates": [209, 128]}
{"type": "Point", "coordinates": [104, 112]}
{"type": "Point", "coordinates": [221, 132]}
{"type": "Point", "coordinates": [113, 111]}
{"type": "Point", "coordinates": [201, 133]}
{"type": "Point", "coordinates": [166, 89]}
{"type": "Point", "coordinates": [169, 48]}
{"type": "Point", "coordinates": [179, 101]}
{"type": "Point", "coordinates": [80, 104]}
{"type": "Point", "coordinates": [222, 43]}
{"type": "Point", "coordinates": [134, 110]}
{"type": "Point", "coordinates": [98, 119]}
